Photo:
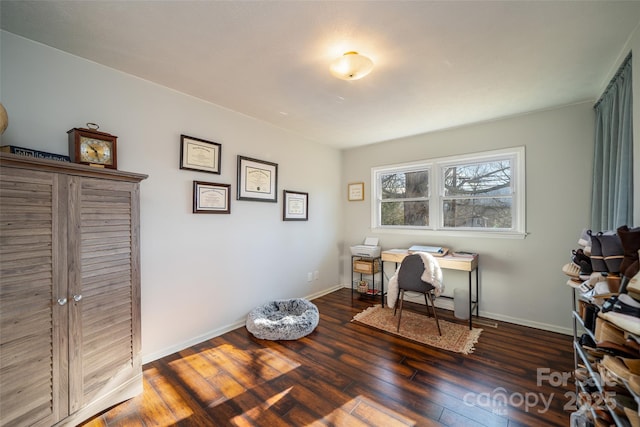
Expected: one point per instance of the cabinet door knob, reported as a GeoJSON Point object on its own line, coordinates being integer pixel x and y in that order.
{"type": "Point", "coordinates": [62, 301]}
{"type": "Point", "coordinates": [77, 298]}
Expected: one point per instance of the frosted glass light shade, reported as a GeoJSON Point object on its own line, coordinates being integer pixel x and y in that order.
{"type": "Point", "coordinates": [351, 66]}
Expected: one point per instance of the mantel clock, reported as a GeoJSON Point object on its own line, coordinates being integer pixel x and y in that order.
{"type": "Point", "coordinates": [91, 147]}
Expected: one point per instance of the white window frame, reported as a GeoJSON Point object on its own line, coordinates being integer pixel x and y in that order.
{"type": "Point", "coordinates": [436, 193]}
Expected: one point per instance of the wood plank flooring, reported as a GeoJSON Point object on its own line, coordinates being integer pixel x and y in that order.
{"type": "Point", "coordinates": [347, 374]}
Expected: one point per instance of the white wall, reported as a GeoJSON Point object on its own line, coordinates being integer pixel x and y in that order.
{"type": "Point", "coordinates": [520, 279]}
{"type": "Point", "coordinates": [201, 274]}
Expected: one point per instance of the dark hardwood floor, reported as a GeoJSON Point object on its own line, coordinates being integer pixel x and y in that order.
{"type": "Point", "coordinates": [347, 374]}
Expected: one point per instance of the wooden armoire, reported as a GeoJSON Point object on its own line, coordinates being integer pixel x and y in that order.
{"type": "Point", "coordinates": [69, 290]}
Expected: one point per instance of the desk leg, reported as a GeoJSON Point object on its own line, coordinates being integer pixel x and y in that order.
{"type": "Point", "coordinates": [381, 282]}
{"type": "Point", "coordinates": [477, 301]}
{"type": "Point", "coordinates": [470, 304]}
{"type": "Point", "coordinates": [477, 292]}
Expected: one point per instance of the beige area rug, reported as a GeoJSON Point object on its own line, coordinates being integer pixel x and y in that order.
{"type": "Point", "coordinates": [418, 327]}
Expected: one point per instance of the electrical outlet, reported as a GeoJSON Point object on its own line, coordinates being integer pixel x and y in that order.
{"type": "Point", "coordinates": [309, 277]}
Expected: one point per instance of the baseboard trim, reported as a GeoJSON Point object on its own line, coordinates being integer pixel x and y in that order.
{"type": "Point", "coordinates": [447, 304]}
{"type": "Point", "coordinates": [219, 331]}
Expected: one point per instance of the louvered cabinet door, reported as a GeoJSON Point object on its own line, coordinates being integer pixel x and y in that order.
{"type": "Point", "coordinates": [104, 282]}
{"type": "Point", "coordinates": [32, 279]}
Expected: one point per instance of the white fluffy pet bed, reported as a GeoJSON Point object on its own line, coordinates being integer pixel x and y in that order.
{"type": "Point", "coordinates": [283, 319]}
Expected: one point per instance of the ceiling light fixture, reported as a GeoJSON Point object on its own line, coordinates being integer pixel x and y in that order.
{"type": "Point", "coordinates": [351, 66]}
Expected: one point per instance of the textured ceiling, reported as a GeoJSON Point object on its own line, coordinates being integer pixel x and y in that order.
{"type": "Point", "coordinates": [438, 64]}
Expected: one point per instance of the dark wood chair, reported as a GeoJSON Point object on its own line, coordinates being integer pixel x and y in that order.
{"type": "Point", "coordinates": [410, 279]}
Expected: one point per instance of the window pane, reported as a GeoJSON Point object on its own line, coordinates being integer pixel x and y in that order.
{"type": "Point", "coordinates": [405, 213]}
{"type": "Point", "coordinates": [478, 213]}
{"type": "Point", "coordinates": [405, 185]}
{"type": "Point", "coordinates": [480, 179]}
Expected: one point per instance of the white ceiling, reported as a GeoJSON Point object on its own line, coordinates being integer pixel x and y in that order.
{"type": "Point", "coordinates": [438, 64]}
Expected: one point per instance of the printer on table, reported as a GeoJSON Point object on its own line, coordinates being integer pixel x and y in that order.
{"type": "Point", "coordinates": [369, 249]}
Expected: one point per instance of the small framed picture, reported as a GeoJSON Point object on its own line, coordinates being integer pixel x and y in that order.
{"type": "Point", "coordinates": [209, 197]}
{"type": "Point", "coordinates": [257, 180]}
{"type": "Point", "coordinates": [356, 191]}
{"type": "Point", "coordinates": [295, 206]}
{"type": "Point", "coordinates": [199, 155]}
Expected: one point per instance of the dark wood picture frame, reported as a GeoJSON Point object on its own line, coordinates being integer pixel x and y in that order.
{"type": "Point", "coordinates": [257, 180]}
{"type": "Point", "coordinates": [211, 197]}
{"type": "Point", "coordinates": [200, 155]}
{"type": "Point", "coordinates": [295, 206]}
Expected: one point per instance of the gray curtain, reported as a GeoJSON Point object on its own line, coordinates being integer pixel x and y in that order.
{"type": "Point", "coordinates": [612, 190]}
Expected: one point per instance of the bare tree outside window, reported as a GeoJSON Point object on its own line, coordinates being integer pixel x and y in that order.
{"type": "Point", "coordinates": [405, 198]}
{"type": "Point", "coordinates": [478, 195]}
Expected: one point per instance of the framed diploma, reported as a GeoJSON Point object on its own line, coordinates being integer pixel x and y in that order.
{"type": "Point", "coordinates": [209, 197]}
{"type": "Point", "coordinates": [257, 180]}
{"type": "Point", "coordinates": [295, 206]}
{"type": "Point", "coordinates": [356, 191]}
{"type": "Point", "coordinates": [199, 155]}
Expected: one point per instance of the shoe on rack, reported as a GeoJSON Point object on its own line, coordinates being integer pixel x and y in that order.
{"type": "Point", "coordinates": [633, 363]}
{"type": "Point", "coordinates": [627, 305]}
{"type": "Point", "coordinates": [585, 270]}
{"type": "Point", "coordinates": [615, 349]}
{"type": "Point", "coordinates": [633, 269]}
{"type": "Point", "coordinates": [606, 331]}
{"type": "Point", "coordinates": [630, 240]}
{"type": "Point", "coordinates": [612, 252]}
{"type": "Point", "coordinates": [622, 402]}
{"type": "Point", "coordinates": [634, 384]}
{"type": "Point", "coordinates": [588, 382]}
{"type": "Point", "coordinates": [616, 367]}
{"type": "Point", "coordinates": [581, 285]}
{"type": "Point", "coordinates": [585, 240]}
{"type": "Point", "coordinates": [578, 255]}
{"type": "Point", "coordinates": [597, 259]}
{"type": "Point", "coordinates": [633, 286]}
{"type": "Point", "coordinates": [632, 416]}
{"type": "Point", "coordinates": [586, 341]}
{"type": "Point", "coordinates": [623, 321]}
{"type": "Point", "coordinates": [624, 304]}
{"type": "Point", "coordinates": [571, 270]}
{"type": "Point", "coordinates": [590, 317]}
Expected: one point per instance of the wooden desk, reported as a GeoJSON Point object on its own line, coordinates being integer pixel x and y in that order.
{"type": "Point", "coordinates": [447, 262]}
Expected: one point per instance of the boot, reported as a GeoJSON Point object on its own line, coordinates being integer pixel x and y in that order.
{"type": "Point", "coordinates": [597, 260]}
{"type": "Point", "coordinates": [630, 239]}
{"type": "Point", "coordinates": [612, 252]}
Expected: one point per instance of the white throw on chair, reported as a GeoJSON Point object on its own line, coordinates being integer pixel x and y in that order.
{"type": "Point", "coordinates": [410, 278]}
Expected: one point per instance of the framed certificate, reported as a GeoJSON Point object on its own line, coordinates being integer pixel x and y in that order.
{"type": "Point", "coordinates": [257, 180]}
{"type": "Point", "coordinates": [199, 155]}
{"type": "Point", "coordinates": [209, 197]}
{"type": "Point", "coordinates": [295, 206]}
{"type": "Point", "coordinates": [355, 191]}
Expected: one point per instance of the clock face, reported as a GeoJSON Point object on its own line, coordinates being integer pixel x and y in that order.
{"type": "Point", "coordinates": [96, 151]}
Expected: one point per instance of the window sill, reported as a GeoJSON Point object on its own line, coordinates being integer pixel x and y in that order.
{"type": "Point", "coordinates": [452, 233]}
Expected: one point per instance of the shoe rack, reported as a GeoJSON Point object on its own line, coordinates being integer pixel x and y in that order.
{"type": "Point", "coordinates": [609, 395]}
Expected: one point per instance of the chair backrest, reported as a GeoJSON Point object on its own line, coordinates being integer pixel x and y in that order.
{"type": "Point", "coordinates": [409, 276]}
